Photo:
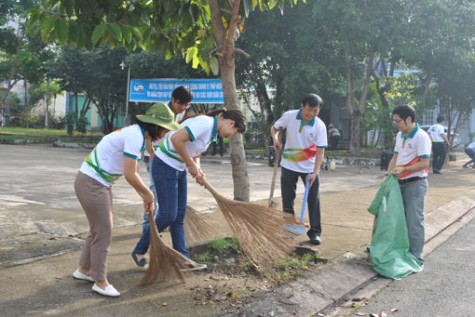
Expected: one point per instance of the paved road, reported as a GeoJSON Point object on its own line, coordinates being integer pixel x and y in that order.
{"type": "Point", "coordinates": [444, 288]}
{"type": "Point", "coordinates": [40, 216]}
{"type": "Point", "coordinates": [38, 206]}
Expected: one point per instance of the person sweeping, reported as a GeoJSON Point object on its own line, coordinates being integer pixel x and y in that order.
{"type": "Point", "coordinates": [115, 155]}
{"type": "Point", "coordinates": [303, 154]}
{"type": "Point", "coordinates": [180, 151]}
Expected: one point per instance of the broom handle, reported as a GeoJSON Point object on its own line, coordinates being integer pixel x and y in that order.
{"type": "Point", "coordinates": [305, 197]}
{"type": "Point", "coordinates": [210, 188]}
{"type": "Point", "coordinates": [274, 175]}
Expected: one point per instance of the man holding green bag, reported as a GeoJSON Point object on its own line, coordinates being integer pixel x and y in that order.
{"type": "Point", "coordinates": [410, 163]}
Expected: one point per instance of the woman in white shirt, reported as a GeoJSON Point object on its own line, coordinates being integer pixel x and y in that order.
{"type": "Point", "coordinates": [181, 151]}
{"type": "Point", "coordinates": [115, 155]}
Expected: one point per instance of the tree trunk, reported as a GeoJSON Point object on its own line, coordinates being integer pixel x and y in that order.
{"type": "Point", "coordinates": [225, 43]}
{"type": "Point", "coordinates": [238, 157]}
{"type": "Point", "coordinates": [25, 99]}
{"type": "Point", "coordinates": [355, 132]}
{"type": "Point", "coordinates": [265, 103]}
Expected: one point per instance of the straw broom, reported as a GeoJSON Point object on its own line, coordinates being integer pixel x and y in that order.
{"type": "Point", "coordinates": [259, 230]}
{"type": "Point", "coordinates": [163, 264]}
{"type": "Point", "coordinates": [196, 228]}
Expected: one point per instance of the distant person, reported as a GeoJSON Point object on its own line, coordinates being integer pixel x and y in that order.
{"type": "Point", "coordinates": [115, 155]}
{"type": "Point", "coordinates": [470, 150]}
{"type": "Point", "coordinates": [303, 154]}
{"type": "Point", "coordinates": [439, 139]}
{"type": "Point", "coordinates": [218, 143]}
{"type": "Point", "coordinates": [334, 136]}
{"type": "Point", "coordinates": [410, 163]}
{"type": "Point", "coordinates": [180, 102]}
{"type": "Point", "coordinates": [178, 154]}
{"type": "Point", "coordinates": [2, 120]}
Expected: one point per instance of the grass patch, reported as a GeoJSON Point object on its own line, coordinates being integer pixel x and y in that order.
{"type": "Point", "coordinates": [47, 135]}
{"type": "Point", "coordinates": [293, 267]}
{"type": "Point", "coordinates": [224, 256]}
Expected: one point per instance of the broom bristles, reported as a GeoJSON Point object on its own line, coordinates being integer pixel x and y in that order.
{"type": "Point", "coordinates": [259, 230]}
{"type": "Point", "coordinates": [163, 264]}
{"type": "Point", "coordinates": [197, 229]}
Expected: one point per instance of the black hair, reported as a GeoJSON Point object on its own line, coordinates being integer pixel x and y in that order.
{"type": "Point", "coordinates": [234, 115]}
{"type": "Point", "coordinates": [312, 100]}
{"type": "Point", "coordinates": [405, 111]}
{"type": "Point", "coordinates": [440, 119]}
{"type": "Point", "coordinates": [154, 131]}
{"type": "Point", "coordinates": [182, 94]}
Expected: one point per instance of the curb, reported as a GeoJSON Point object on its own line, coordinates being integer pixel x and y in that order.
{"type": "Point", "coordinates": [333, 283]}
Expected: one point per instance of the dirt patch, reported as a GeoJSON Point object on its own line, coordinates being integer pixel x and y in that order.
{"type": "Point", "coordinates": [232, 281]}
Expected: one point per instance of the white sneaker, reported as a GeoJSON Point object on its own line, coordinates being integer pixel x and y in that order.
{"type": "Point", "coordinates": [108, 291]}
{"type": "Point", "coordinates": [81, 276]}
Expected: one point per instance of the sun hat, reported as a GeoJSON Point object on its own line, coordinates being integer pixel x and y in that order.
{"type": "Point", "coordinates": [160, 114]}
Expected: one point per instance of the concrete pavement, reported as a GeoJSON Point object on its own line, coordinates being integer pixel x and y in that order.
{"type": "Point", "coordinates": [42, 227]}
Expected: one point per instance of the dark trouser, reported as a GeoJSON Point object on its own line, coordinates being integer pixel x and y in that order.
{"type": "Point", "coordinates": [288, 181]}
{"type": "Point", "coordinates": [334, 141]}
{"type": "Point", "coordinates": [471, 153]}
{"type": "Point", "coordinates": [438, 151]}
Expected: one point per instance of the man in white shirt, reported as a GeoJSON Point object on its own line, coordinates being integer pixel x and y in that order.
{"type": "Point", "coordinates": [410, 163]}
{"type": "Point", "coordinates": [306, 140]}
{"type": "Point", "coordinates": [439, 139]}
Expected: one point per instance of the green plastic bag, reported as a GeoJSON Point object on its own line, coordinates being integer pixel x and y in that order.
{"type": "Point", "coordinates": [389, 249]}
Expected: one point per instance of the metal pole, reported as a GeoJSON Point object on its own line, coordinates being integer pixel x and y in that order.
{"type": "Point", "coordinates": [127, 97]}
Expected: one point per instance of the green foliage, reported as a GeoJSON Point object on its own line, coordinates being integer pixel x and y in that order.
{"type": "Point", "coordinates": [70, 122]}
{"type": "Point", "coordinates": [293, 267]}
{"type": "Point", "coordinates": [224, 243]}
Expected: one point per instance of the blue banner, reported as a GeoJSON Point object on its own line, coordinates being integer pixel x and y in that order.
{"type": "Point", "coordinates": [155, 90]}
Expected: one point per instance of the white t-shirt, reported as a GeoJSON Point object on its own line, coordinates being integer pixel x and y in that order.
{"type": "Point", "coordinates": [302, 141]}
{"type": "Point", "coordinates": [107, 158]}
{"type": "Point", "coordinates": [411, 149]}
{"type": "Point", "coordinates": [436, 132]}
{"type": "Point", "coordinates": [202, 131]}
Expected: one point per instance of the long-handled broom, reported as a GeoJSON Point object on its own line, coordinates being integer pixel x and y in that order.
{"type": "Point", "coordinates": [163, 264]}
{"type": "Point", "coordinates": [259, 230]}
{"type": "Point", "coordinates": [271, 202]}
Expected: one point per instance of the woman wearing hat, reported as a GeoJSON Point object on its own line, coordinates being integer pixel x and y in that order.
{"type": "Point", "coordinates": [178, 152]}
{"type": "Point", "coordinates": [115, 155]}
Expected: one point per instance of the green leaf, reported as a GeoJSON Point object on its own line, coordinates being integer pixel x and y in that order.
{"type": "Point", "coordinates": [196, 62]}
{"type": "Point", "coordinates": [62, 30]}
{"type": "Point", "coordinates": [214, 65]}
{"type": "Point", "coordinates": [127, 33]}
{"type": "Point", "coordinates": [98, 33]}
{"type": "Point", "coordinates": [46, 28]}
{"type": "Point", "coordinates": [137, 33]}
{"type": "Point", "coordinates": [115, 30]}
{"type": "Point", "coordinates": [191, 53]}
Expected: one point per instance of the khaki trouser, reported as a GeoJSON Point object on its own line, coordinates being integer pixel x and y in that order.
{"type": "Point", "coordinates": [96, 200]}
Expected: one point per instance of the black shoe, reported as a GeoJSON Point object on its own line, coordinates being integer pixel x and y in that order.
{"type": "Point", "coordinates": [315, 240]}
{"type": "Point", "coordinates": [141, 263]}
{"type": "Point", "coordinates": [437, 172]}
